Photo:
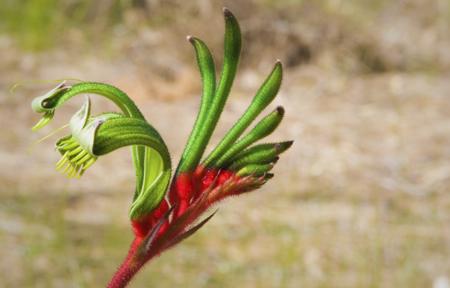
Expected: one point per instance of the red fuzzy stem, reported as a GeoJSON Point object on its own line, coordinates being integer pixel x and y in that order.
{"type": "Point", "coordinates": [124, 275]}
{"type": "Point", "coordinates": [127, 269]}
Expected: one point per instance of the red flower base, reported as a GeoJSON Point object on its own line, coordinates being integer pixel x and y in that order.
{"type": "Point", "coordinates": [189, 197]}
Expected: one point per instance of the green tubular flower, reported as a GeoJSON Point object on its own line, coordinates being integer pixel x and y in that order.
{"type": "Point", "coordinates": [48, 103]}
{"type": "Point", "coordinates": [213, 100]}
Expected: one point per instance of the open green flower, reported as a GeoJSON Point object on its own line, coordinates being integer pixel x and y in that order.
{"type": "Point", "coordinates": [79, 150]}
{"type": "Point", "coordinates": [92, 137]}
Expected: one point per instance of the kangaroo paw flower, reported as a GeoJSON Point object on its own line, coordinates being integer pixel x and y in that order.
{"type": "Point", "coordinates": [166, 208]}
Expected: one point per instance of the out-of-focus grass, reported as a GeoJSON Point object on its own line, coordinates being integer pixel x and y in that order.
{"type": "Point", "coordinates": [33, 22]}
{"type": "Point", "coordinates": [311, 243]}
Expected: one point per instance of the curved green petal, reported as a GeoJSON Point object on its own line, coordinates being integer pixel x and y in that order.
{"type": "Point", "coordinates": [124, 131]}
{"type": "Point", "coordinates": [80, 119]}
{"type": "Point", "coordinates": [46, 118]}
{"type": "Point", "coordinates": [150, 197]}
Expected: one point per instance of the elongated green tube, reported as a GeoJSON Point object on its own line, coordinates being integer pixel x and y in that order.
{"type": "Point", "coordinates": [263, 97]}
{"type": "Point", "coordinates": [193, 151]}
{"type": "Point", "coordinates": [259, 154]}
{"type": "Point", "coordinates": [125, 131]}
{"type": "Point", "coordinates": [232, 49]}
{"type": "Point", "coordinates": [262, 129]}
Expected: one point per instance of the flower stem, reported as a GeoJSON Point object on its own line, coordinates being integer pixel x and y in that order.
{"type": "Point", "coordinates": [127, 269]}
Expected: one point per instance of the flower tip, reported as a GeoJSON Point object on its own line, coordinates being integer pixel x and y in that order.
{"type": "Point", "coordinates": [190, 38]}
{"type": "Point", "coordinates": [268, 176]}
{"type": "Point", "coordinates": [283, 146]}
{"type": "Point", "coordinates": [46, 118]}
{"type": "Point", "coordinates": [279, 66]}
{"type": "Point", "coordinates": [227, 12]}
{"type": "Point", "coordinates": [280, 110]}
{"type": "Point", "coordinates": [37, 126]}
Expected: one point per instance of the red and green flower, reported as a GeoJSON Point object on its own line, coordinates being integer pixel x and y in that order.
{"type": "Point", "coordinates": [166, 208]}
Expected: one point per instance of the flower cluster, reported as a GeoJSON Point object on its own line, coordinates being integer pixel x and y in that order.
{"type": "Point", "coordinates": [165, 207]}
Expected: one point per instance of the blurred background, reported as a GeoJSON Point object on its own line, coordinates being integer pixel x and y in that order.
{"type": "Point", "coordinates": [360, 200]}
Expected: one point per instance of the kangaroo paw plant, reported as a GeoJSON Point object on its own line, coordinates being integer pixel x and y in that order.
{"type": "Point", "coordinates": [165, 207]}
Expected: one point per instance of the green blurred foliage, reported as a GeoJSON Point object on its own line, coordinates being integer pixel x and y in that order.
{"type": "Point", "coordinates": [39, 24]}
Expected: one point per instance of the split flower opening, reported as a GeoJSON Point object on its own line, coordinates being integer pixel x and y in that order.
{"type": "Point", "coordinates": [75, 159]}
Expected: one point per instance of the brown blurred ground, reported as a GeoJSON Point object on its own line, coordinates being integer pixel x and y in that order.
{"type": "Point", "coordinates": [360, 200]}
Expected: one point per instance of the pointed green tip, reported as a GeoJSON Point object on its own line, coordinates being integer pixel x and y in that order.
{"type": "Point", "coordinates": [283, 146]}
{"type": "Point", "coordinates": [46, 118]}
{"type": "Point", "coordinates": [279, 69]}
